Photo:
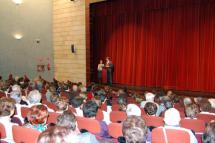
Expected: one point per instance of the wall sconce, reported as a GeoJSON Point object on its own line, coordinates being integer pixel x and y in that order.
{"type": "Point", "coordinates": [18, 2]}
{"type": "Point", "coordinates": [18, 36]}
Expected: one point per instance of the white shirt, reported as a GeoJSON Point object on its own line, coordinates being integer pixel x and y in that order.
{"type": "Point", "coordinates": [107, 115]}
{"type": "Point", "coordinates": [100, 66]}
{"type": "Point", "coordinates": [6, 121]}
{"type": "Point", "coordinates": [79, 112]}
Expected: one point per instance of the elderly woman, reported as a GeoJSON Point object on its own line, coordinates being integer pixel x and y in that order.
{"type": "Point", "coordinates": [58, 135]}
{"type": "Point", "coordinates": [7, 108]}
{"type": "Point", "coordinates": [37, 117]}
{"type": "Point", "coordinates": [68, 120]}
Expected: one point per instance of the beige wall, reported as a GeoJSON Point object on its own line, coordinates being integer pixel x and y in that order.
{"type": "Point", "coordinates": [69, 27]}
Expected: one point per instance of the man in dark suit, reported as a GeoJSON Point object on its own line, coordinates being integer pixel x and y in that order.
{"type": "Point", "coordinates": [109, 66]}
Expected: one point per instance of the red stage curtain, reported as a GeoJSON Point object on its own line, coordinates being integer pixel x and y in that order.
{"type": "Point", "coordinates": [157, 43]}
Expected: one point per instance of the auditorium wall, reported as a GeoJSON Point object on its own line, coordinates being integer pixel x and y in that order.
{"type": "Point", "coordinates": [32, 19]}
{"type": "Point", "coordinates": [70, 27]}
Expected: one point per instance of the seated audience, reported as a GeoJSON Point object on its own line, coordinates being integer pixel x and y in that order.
{"type": "Point", "coordinates": [34, 97]}
{"type": "Point", "coordinates": [134, 130]}
{"type": "Point", "coordinates": [212, 102]}
{"type": "Point", "coordinates": [7, 109]}
{"type": "Point", "coordinates": [133, 109]}
{"type": "Point", "coordinates": [150, 109]}
{"type": "Point", "coordinates": [50, 91]}
{"type": "Point", "coordinates": [37, 117]}
{"type": "Point", "coordinates": [122, 101]}
{"type": "Point", "coordinates": [164, 105]}
{"type": "Point", "coordinates": [90, 109]}
{"type": "Point", "coordinates": [77, 103]}
{"type": "Point", "coordinates": [58, 134]}
{"type": "Point", "coordinates": [149, 98]}
{"type": "Point", "coordinates": [187, 101]}
{"type": "Point", "coordinates": [205, 107]}
{"type": "Point", "coordinates": [61, 105]}
{"type": "Point", "coordinates": [191, 111]}
{"type": "Point", "coordinates": [172, 121]}
{"type": "Point", "coordinates": [68, 120]}
{"type": "Point", "coordinates": [209, 134]}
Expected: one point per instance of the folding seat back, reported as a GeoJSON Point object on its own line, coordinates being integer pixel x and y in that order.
{"type": "Point", "coordinates": [25, 135]}
{"type": "Point", "coordinates": [2, 131]}
{"type": "Point", "coordinates": [198, 126]}
{"type": "Point", "coordinates": [90, 125]}
{"type": "Point", "coordinates": [206, 117]}
{"type": "Point", "coordinates": [153, 121]}
{"type": "Point", "coordinates": [115, 130]}
{"type": "Point", "coordinates": [172, 136]}
{"type": "Point", "coordinates": [117, 116]}
{"type": "Point", "coordinates": [24, 111]}
{"type": "Point", "coordinates": [99, 115]}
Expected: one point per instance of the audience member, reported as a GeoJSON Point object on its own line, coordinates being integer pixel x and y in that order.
{"type": "Point", "coordinates": [150, 108]}
{"type": "Point", "coordinates": [58, 134]}
{"type": "Point", "coordinates": [172, 121]}
{"type": "Point", "coordinates": [191, 111]}
{"type": "Point", "coordinates": [37, 117]}
{"type": "Point", "coordinates": [77, 103]}
{"type": "Point", "coordinates": [7, 109]}
{"type": "Point", "coordinates": [209, 134]}
{"type": "Point", "coordinates": [90, 109]}
{"type": "Point", "coordinates": [134, 130]}
{"type": "Point", "coordinates": [68, 120]}
{"type": "Point", "coordinates": [133, 109]}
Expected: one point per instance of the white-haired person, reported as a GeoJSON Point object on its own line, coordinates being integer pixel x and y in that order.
{"type": "Point", "coordinates": [7, 109]}
{"type": "Point", "coordinates": [58, 134]}
{"type": "Point", "coordinates": [187, 101]}
{"type": "Point", "coordinates": [133, 109]}
{"type": "Point", "coordinates": [149, 98]}
{"type": "Point", "coordinates": [68, 120]}
{"type": "Point", "coordinates": [34, 98]}
{"type": "Point", "coordinates": [172, 121]}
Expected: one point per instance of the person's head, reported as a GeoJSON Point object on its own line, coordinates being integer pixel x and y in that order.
{"type": "Point", "coordinates": [133, 109]}
{"type": "Point", "coordinates": [172, 117]}
{"type": "Point", "coordinates": [107, 58]}
{"type": "Point", "coordinates": [67, 119]}
{"type": "Point", "coordinates": [212, 102]}
{"type": "Point", "coordinates": [100, 61]}
{"type": "Point", "coordinates": [134, 130]}
{"type": "Point", "coordinates": [61, 104]}
{"type": "Point", "coordinates": [54, 98]}
{"type": "Point", "coordinates": [191, 110]}
{"type": "Point", "coordinates": [37, 114]}
{"type": "Point", "coordinates": [75, 88]}
{"type": "Point", "coordinates": [150, 96]}
{"type": "Point", "coordinates": [187, 101]}
{"type": "Point", "coordinates": [90, 109]}
{"type": "Point", "coordinates": [150, 108]}
{"type": "Point", "coordinates": [168, 104]}
{"type": "Point", "coordinates": [205, 106]}
{"type": "Point", "coordinates": [16, 88]}
{"type": "Point", "coordinates": [76, 101]}
{"type": "Point", "coordinates": [7, 106]}
{"type": "Point", "coordinates": [34, 97]}
{"type": "Point", "coordinates": [209, 134]}
{"type": "Point", "coordinates": [122, 101]}
{"type": "Point", "coordinates": [16, 96]}
{"type": "Point", "coordinates": [169, 93]}
{"type": "Point", "coordinates": [58, 134]}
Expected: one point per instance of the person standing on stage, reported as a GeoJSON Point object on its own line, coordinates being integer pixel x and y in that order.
{"type": "Point", "coordinates": [109, 66]}
{"type": "Point", "coordinates": [100, 67]}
